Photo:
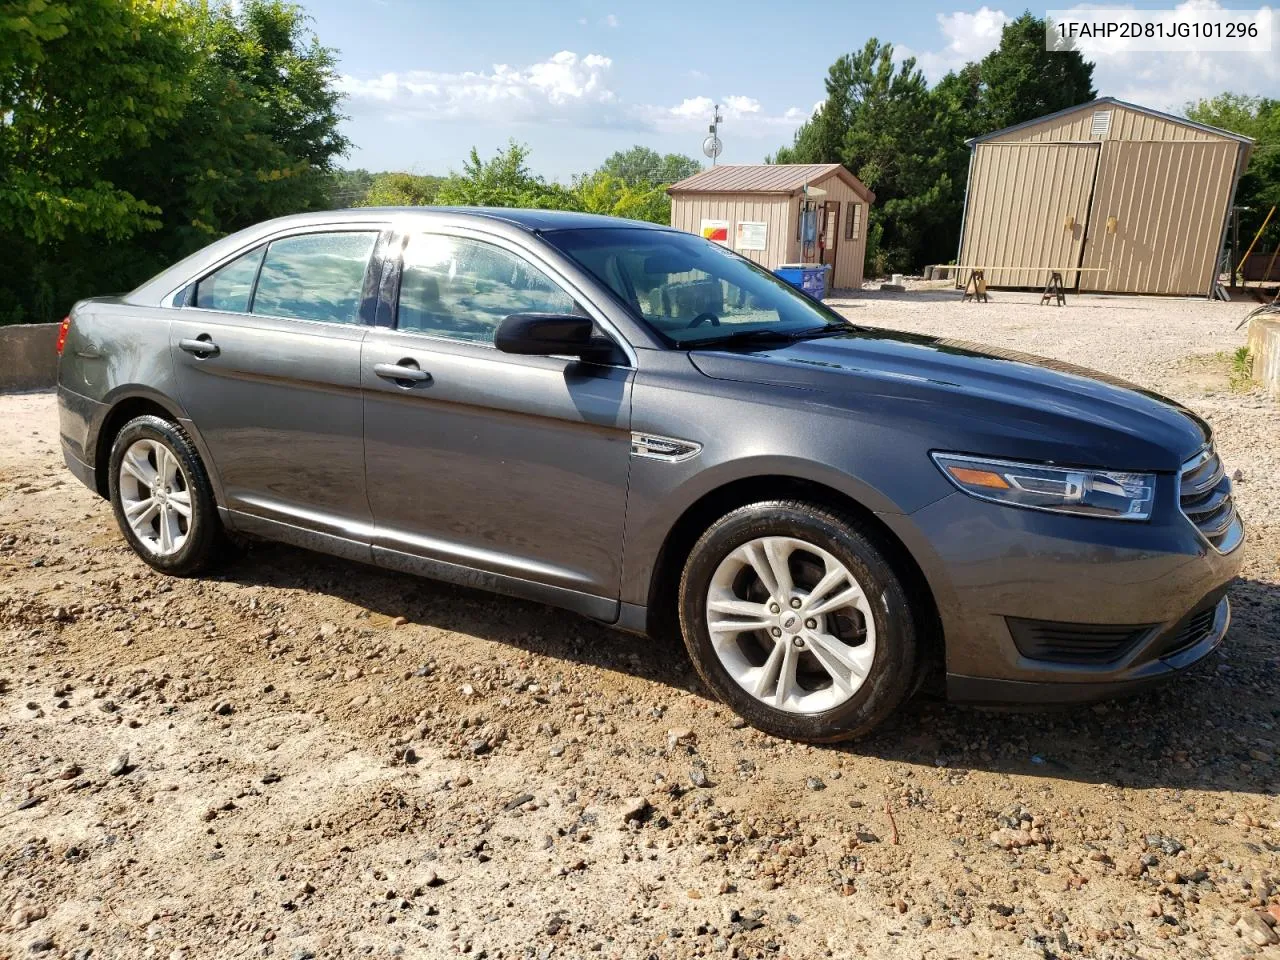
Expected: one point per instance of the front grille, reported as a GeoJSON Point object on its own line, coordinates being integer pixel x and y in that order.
{"type": "Point", "coordinates": [1073, 642]}
{"type": "Point", "coordinates": [1205, 497]}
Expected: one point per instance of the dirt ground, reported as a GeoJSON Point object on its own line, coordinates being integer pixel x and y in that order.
{"type": "Point", "coordinates": [303, 757]}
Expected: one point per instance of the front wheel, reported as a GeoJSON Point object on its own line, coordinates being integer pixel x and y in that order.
{"type": "Point", "coordinates": [162, 497]}
{"type": "Point", "coordinates": [795, 618]}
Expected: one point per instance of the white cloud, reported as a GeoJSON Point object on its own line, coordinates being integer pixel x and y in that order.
{"type": "Point", "coordinates": [556, 87]}
{"type": "Point", "coordinates": [1163, 80]}
{"type": "Point", "coordinates": [611, 21]}
{"type": "Point", "coordinates": [968, 36]}
{"type": "Point", "coordinates": [742, 104]}
{"type": "Point", "coordinates": [563, 88]}
{"type": "Point", "coordinates": [743, 116]}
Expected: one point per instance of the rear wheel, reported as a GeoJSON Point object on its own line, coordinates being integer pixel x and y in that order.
{"type": "Point", "coordinates": [793, 616]}
{"type": "Point", "coordinates": [162, 498]}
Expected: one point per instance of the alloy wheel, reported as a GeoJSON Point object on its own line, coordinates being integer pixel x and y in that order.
{"type": "Point", "coordinates": [155, 494]}
{"type": "Point", "coordinates": [791, 624]}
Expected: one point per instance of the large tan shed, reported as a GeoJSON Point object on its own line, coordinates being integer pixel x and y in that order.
{"type": "Point", "coordinates": [1116, 197]}
{"type": "Point", "coordinates": [756, 209]}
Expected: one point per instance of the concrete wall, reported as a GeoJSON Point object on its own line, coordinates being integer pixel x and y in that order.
{"type": "Point", "coordinates": [1264, 344]}
{"type": "Point", "coordinates": [28, 358]}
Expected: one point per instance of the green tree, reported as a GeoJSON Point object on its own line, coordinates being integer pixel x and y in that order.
{"type": "Point", "coordinates": [879, 121]}
{"type": "Point", "coordinates": [641, 164]}
{"type": "Point", "coordinates": [259, 138]}
{"type": "Point", "coordinates": [402, 190]}
{"type": "Point", "coordinates": [504, 181]}
{"type": "Point", "coordinates": [1022, 80]}
{"type": "Point", "coordinates": [604, 193]}
{"type": "Point", "coordinates": [1259, 188]}
{"type": "Point", "coordinates": [82, 83]}
{"type": "Point", "coordinates": [349, 188]}
{"type": "Point", "coordinates": [135, 131]}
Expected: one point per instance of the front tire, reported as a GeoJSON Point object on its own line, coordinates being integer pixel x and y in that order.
{"type": "Point", "coordinates": [162, 497]}
{"type": "Point", "coordinates": [795, 618]}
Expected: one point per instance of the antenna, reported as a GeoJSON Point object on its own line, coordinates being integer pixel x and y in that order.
{"type": "Point", "coordinates": [712, 145]}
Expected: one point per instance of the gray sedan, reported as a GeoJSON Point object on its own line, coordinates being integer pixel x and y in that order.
{"type": "Point", "coordinates": [646, 428]}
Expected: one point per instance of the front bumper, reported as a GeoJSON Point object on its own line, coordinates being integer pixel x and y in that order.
{"type": "Point", "coordinates": [1153, 670]}
{"type": "Point", "coordinates": [992, 567]}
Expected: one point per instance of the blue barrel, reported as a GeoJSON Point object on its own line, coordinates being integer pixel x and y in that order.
{"type": "Point", "coordinates": [809, 277]}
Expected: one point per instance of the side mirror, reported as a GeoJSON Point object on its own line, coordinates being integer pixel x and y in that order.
{"type": "Point", "coordinates": [546, 334]}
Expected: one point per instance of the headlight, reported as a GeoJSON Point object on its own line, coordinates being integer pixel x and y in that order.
{"type": "Point", "coordinates": [1092, 493]}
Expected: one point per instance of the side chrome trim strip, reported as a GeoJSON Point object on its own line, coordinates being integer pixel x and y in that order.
{"type": "Point", "coordinates": [666, 449]}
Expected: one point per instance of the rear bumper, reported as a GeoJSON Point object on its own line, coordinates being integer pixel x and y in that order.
{"type": "Point", "coordinates": [986, 690]}
{"type": "Point", "coordinates": [78, 420]}
{"type": "Point", "coordinates": [83, 471]}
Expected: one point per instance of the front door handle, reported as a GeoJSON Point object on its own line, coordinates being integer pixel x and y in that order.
{"type": "Point", "coordinates": [406, 371]}
{"type": "Point", "coordinates": [202, 346]}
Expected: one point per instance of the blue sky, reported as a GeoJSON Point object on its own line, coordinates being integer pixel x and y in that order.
{"type": "Point", "coordinates": [578, 79]}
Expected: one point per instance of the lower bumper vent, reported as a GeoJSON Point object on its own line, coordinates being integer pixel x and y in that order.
{"type": "Point", "coordinates": [1073, 642]}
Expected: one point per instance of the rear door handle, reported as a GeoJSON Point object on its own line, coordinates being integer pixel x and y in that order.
{"type": "Point", "coordinates": [404, 371]}
{"type": "Point", "coordinates": [202, 346]}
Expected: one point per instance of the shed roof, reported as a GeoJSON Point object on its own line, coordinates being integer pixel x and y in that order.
{"type": "Point", "coordinates": [1227, 134]}
{"type": "Point", "coordinates": [784, 178]}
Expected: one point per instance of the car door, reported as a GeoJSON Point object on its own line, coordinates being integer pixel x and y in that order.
{"type": "Point", "coordinates": [267, 354]}
{"type": "Point", "coordinates": [506, 472]}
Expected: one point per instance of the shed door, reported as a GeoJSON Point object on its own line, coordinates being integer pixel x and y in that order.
{"type": "Point", "coordinates": [1028, 203]}
{"type": "Point", "coordinates": [1158, 215]}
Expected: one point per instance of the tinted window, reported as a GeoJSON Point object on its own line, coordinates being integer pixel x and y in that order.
{"type": "Point", "coordinates": [463, 289]}
{"type": "Point", "coordinates": [229, 287]}
{"type": "Point", "coordinates": [318, 276]}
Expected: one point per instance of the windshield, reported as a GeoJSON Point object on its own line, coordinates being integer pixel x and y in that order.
{"type": "Point", "coordinates": [692, 291]}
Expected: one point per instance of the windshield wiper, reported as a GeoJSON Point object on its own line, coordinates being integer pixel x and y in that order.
{"type": "Point", "coordinates": [766, 336]}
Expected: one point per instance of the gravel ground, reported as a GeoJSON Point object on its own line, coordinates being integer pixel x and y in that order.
{"type": "Point", "coordinates": [305, 758]}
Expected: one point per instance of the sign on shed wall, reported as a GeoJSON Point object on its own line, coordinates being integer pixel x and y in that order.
{"type": "Point", "coordinates": [751, 235]}
{"type": "Point", "coordinates": [717, 230]}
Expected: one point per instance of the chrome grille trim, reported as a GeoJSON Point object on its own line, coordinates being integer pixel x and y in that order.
{"type": "Point", "coordinates": [1204, 497]}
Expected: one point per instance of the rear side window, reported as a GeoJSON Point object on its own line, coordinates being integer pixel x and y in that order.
{"type": "Point", "coordinates": [462, 289]}
{"type": "Point", "coordinates": [231, 287]}
{"type": "Point", "coordinates": [317, 276]}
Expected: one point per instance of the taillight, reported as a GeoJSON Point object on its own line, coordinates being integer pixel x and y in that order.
{"type": "Point", "coordinates": [63, 329]}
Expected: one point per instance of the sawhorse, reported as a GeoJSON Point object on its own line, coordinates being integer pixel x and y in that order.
{"type": "Point", "coordinates": [1053, 291]}
{"type": "Point", "coordinates": [975, 288]}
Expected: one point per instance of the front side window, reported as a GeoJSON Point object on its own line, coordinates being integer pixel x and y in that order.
{"type": "Point", "coordinates": [691, 290]}
{"type": "Point", "coordinates": [230, 287]}
{"type": "Point", "coordinates": [462, 289]}
{"type": "Point", "coordinates": [316, 276]}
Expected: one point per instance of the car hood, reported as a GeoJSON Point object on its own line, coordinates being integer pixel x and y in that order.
{"type": "Point", "coordinates": [975, 399]}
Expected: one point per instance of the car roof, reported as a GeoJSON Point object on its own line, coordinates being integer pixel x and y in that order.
{"type": "Point", "coordinates": [502, 218]}
{"type": "Point", "coordinates": [528, 219]}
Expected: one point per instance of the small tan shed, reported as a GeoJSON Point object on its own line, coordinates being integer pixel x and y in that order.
{"type": "Point", "coordinates": [1117, 198]}
{"type": "Point", "coordinates": [756, 210]}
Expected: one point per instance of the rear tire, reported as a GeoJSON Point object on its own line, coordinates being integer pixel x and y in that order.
{"type": "Point", "coordinates": [795, 618]}
{"type": "Point", "coordinates": [162, 498]}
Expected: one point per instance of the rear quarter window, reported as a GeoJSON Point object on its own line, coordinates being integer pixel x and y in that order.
{"type": "Point", "coordinates": [230, 287]}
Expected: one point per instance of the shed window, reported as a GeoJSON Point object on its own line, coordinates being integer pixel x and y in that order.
{"type": "Point", "coordinates": [1101, 124]}
{"type": "Point", "coordinates": [853, 223]}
